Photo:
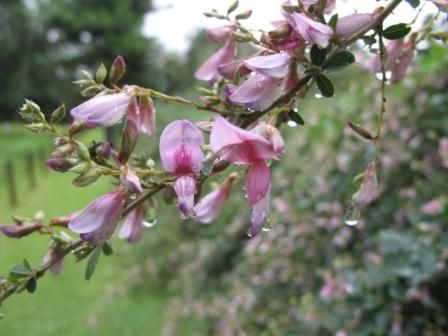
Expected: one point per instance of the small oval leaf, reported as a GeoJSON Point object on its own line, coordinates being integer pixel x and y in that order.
{"type": "Point", "coordinates": [325, 85]}
{"type": "Point", "coordinates": [341, 59]}
{"type": "Point", "coordinates": [397, 31]}
{"type": "Point", "coordinates": [93, 261]}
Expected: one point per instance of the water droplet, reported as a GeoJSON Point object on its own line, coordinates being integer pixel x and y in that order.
{"type": "Point", "coordinates": [133, 197]}
{"type": "Point", "coordinates": [352, 215]}
{"type": "Point", "coordinates": [249, 233]}
{"type": "Point", "coordinates": [267, 226]}
{"type": "Point", "coordinates": [318, 95]}
{"type": "Point", "coordinates": [150, 223]}
{"type": "Point", "coordinates": [292, 123]}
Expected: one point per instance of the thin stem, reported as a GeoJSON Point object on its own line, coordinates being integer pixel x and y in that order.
{"type": "Point", "coordinates": [148, 194]}
{"type": "Point", "coordinates": [383, 98]}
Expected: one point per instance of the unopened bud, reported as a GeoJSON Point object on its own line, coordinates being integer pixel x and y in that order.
{"type": "Point", "coordinates": [36, 127]}
{"type": "Point", "coordinates": [19, 231]}
{"type": "Point", "coordinates": [244, 15]}
{"type": "Point", "coordinates": [101, 73]}
{"type": "Point", "coordinates": [58, 114]}
{"type": "Point", "coordinates": [91, 91]}
{"type": "Point", "coordinates": [117, 69]}
{"type": "Point", "coordinates": [60, 164]}
{"type": "Point", "coordinates": [78, 126]}
{"type": "Point", "coordinates": [361, 131]}
{"type": "Point", "coordinates": [86, 179]}
{"type": "Point", "coordinates": [31, 112]}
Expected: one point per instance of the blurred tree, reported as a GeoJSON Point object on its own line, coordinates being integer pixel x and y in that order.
{"type": "Point", "coordinates": [48, 42]}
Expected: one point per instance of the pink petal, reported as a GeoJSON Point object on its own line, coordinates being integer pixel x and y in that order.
{"type": "Point", "coordinates": [260, 213]}
{"type": "Point", "coordinates": [147, 116]}
{"type": "Point", "coordinates": [102, 110]}
{"type": "Point", "coordinates": [349, 25]}
{"type": "Point", "coordinates": [276, 65]}
{"type": "Point", "coordinates": [185, 188]}
{"type": "Point", "coordinates": [368, 190]}
{"type": "Point", "coordinates": [258, 182]}
{"type": "Point", "coordinates": [219, 34]}
{"type": "Point", "coordinates": [239, 146]}
{"type": "Point", "coordinates": [258, 92]}
{"type": "Point", "coordinates": [102, 212]}
{"type": "Point", "coordinates": [180, 148]}
{"type": "Point", "coordinates": [209, 70]}
{"type": "Point", "coordinates": [228, 70]}
{"type": "Point", "coordinates": [132, 228]}
{"type": "Point", "coordinates": [272, 134]}
{"type": "Point", "coordinates": [312, 31]}
{"type": "Point", "coordinates": [209, 207]}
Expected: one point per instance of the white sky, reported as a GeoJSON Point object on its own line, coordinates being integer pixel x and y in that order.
{"type": "Point", "coordinates": [177, 20]}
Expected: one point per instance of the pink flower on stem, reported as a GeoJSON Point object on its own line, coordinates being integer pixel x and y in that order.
{"type": "Point", "coordinates": [181, 154]}
{"type": "Point", "coordinates": [209, 70]}
{"type": "Point", "coordinates": [242, 147]}
{"type": "Point", "coordinates": [147, 116]}
{"type": "Point", "coordinates": [229, 70]}
{"type": "Point", "coordinates": [275, 65]}
{"type": "Point", "coordinates": [57, 267]}
{"type": "Point", "coordinates": [310, 30]}
{"type": "Point", "coordinates": [209, 207]}
{"type": "Point", "coordinates": [433, 207]}
{"type": "Point", "coordinates": [368, 191]}
{"type": "Point", "coordinates": [258, 92]}
{"type": "Point", "coordinates": [347, 26]}
{"type": "Point", "coordinates": [132, 228]}
{"type": "Point", "coordinates": [98, 220]}
{"type": "Point", "coordinates": [102, 110]}
{"type": "Point", "coordinates": [399, 56]}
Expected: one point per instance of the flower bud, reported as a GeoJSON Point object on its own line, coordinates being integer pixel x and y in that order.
{"type": "Point", "coordinates": [61, 164]}
{"type": "Point", "coordinates": [130, 133]}
{"type": "Point", "coordinates": [31, 112]}
{"type": "Point", "coordinates": [117, 69]}
{"type": "Point", "coordinates": [19, 231]}
{"type": "Point", "coordinates": [368, 190]}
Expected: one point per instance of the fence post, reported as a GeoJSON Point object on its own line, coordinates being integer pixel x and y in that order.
{"type": "Point", "coordinates": [30, 170]}
{"type": "Point", "coordinates": [11, 183]}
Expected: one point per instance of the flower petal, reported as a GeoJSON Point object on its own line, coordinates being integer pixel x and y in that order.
{"type": "Point", "coordinates": [258, 92]}
{"type": "Point", "coordinates": [349, 25]}
{"type": "Point", "coordinates": [102, 110]}
{"type": "Point", "coordinates": [260, 213]}
{"type": "Point", "coordinates": [239, 146]}
{"type": "Point", "coordinates": [103, 211]}
{"type": "Point", "coordinates": [185, 188]}
{"type": "Point", "coordinates": [258, 182]}
{"type": "Point", "coordinates": [276, 65]}
{"type": "Point", "coordinates": [132, 228]}
{"type": "Point", "coordinates": [209, 70]}
{"type": "Point", "coordinates": [180, 148]}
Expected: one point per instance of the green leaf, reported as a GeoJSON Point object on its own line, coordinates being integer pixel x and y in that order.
{"type": "Point", "coordinates": [396, 31]}
{"type": "Point", "coordinates": [341, 59]}
{"type": "Point", "coordinates": [19, 272]}
{"type": "Point", "coordinates": [31, 286]}
{"type": "Point", "coordinates": [317, 55]}
{"type": "Point", "coordinates": [325, 85]}
{"type": "Point", "coordinates": [107, 249]}
{"type": "Point", "coordinates": [93, 261]}
{"type": "Point", "coordinates": [27, 265]}
{"type": "Point", "coordinates": [294, 116]}
{"type": "Point", "coordinates": [413, 3]}
{"type": "Point", "coordinates": [333, 21]}
{"type": "Point", "coordinates": [244, 15]}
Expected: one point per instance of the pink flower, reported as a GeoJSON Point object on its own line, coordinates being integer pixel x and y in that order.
{"type": "Point", "coordinates": [58, 266]}
{"type": "Point", "coordinates": [399, 56]}
{"type": "Point", "coordinates": [228, 70]}
{"type": "Point", "coordinates": [181, 154]}
{"type": "Point", "coordinates": [333, 289]}
{"type": "Point", "coordinates": [209, 70]}
{"type": "Point", "coordinates": [310, 30]}
{"type": "Point", "coordinates": [369, 186]}
{"type": "Point", "coordinates": [258, 92]}
{"type": "Point", "coordinates": [347, 26]}
{"type": "Point", "coordinates": [433, 207]}
{"type": "Point", "coordinates": [147, 116]}
{"type": "Point", "coordinates": [102, 110]}
{"type": "Point", "coordinates": [220, 34]}
{"type": "Point", "coordinates": [98, 220]}
{"type": "Point", "coordinates": [132, 228]}
{"type": "Point", "coordinates": [275, 65]}
{"type": "Point", "coordinates": [443, 151]}
{"type": "Point", "coordinates": [209, 207]}
{"type": "Point", "coordinates": [239, 146]}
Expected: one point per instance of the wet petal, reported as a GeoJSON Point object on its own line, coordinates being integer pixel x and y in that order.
{"type": "Point", "coordinates": [185, 188]}
{"type": "Point", "coordinates": [276, 65]}
{"type": "Point", "coordinates": [239, 146]}
{"type": "Point", "coordinates": [258, 92]}
{"type": "Point", "coordinates": [260, 213]}
{"type": "Point", "coordinates": [180, 148]}
{"type": "Point", "coordinates": [209, 70]}
{"type": "Point", "coordinates": [258, 182]}
{"type": "Point", "coordinates": [132, 228]}
{"type": "Point", "coordinates": [349, 25]}
{"type": "Point", "coordinates": [102, 110]}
